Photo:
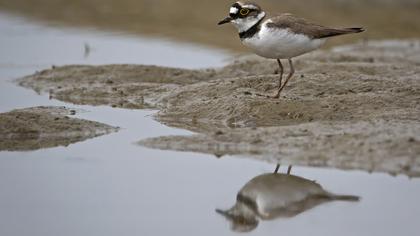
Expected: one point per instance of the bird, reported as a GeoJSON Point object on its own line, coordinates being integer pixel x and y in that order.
{"type": "Point", "coordinates": [281, 36]}
{"type": "Point", "coordinates": [275, 195]}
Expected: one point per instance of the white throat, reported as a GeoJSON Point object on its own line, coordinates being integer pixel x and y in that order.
{"type": "Point", "coordinates": [244, 24]}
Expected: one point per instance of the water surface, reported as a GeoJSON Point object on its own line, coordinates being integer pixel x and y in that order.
{"type": "Point", "coordinates": [110, 186]}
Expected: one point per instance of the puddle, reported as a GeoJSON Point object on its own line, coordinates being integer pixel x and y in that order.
{"type": "Point", "coordinates": [110, 186]}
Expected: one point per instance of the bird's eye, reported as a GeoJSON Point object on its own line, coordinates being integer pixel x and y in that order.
{"type": "Point", "coordinates": [244, 11]}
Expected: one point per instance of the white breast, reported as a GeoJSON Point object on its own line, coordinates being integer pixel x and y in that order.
{"type": "Point", "coordinates": [280, 43]}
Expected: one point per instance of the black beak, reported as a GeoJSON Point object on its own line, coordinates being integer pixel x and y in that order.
{"type": "Point", "coordinates": [224, 213]}
{"type": "Point", "coordinates": [226, 20]}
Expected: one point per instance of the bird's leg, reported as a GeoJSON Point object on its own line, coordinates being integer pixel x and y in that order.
{"type": "Point", "coordinates": [289, 169]}
{"type": "Point", "coordinates": [277, 168]}
{"type": "Point", "coordinates": [292, 71]}
{"type": "Point", "coordinates": [281, 72]}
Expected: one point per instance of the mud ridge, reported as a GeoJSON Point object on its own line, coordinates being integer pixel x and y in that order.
{"type": "Point", "coordinates": [352, 107]}
{"type": "Point", "coordinates": [44, 127]}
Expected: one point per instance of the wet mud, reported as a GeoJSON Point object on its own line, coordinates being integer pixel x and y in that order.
{"type": "Point", "coordinates": [44, 127]}
{"type": "Point", "coordinates": [352, 107]}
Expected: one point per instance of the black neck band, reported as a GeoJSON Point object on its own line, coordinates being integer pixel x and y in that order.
{"type": "Point", "coordinates": [251, 31]}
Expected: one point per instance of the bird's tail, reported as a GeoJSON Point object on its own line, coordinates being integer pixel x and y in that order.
{"type": "Point", "coordinates": [353, 30]}
{"type": "Point", "coordinates": [350, 198]}
{"type": "Point", "coordinates": [328, 32]}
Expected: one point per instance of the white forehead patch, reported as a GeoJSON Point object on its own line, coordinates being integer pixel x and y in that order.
{"type": "Point", "coordinates": [233, 10]}
{"type": "Point", "coordinates": [250, 7]}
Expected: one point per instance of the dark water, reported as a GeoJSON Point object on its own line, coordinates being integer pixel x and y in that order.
{"type": "Point", "coordinates": [110, 186]}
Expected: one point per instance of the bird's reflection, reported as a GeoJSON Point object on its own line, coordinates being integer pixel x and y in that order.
{"type": "Point", "coordinates": [276, 195]}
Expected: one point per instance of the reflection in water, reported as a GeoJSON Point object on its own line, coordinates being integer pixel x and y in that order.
{"type": "Point", "coordinates": [271, 196]}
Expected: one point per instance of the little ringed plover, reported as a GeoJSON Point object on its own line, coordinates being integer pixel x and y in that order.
{"type": "Point", "coordinates": [282, 36]}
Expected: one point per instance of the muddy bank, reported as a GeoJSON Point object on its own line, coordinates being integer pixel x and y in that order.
{"type": "Point", "coordinates": [373, 146]}
{"type": "Point", "coordinates": [126, 86]}
{"type": "Point", "coordinates": [353, 107]}
{"type": "Point", "coordinates": [45, 127]}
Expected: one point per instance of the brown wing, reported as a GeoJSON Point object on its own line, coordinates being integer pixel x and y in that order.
{"type": "Point", "coordinates": [301, 26]}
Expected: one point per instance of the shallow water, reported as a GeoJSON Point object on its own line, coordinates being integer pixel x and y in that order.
{"type": "Point", "coordinates": [110, 186]}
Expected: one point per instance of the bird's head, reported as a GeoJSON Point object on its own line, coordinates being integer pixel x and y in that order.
{"type": "Point", "coordinates": [241, 217]}
{"type": "Point", "coordinates": [243, 15]}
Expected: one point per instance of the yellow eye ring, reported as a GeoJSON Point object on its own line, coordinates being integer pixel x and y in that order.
{"type": "Point", "coordinates": [244, 11]}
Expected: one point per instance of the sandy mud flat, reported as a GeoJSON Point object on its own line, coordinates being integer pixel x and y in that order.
{"type": "Point", "coordinates": [352, 107]}
{"type": "Point", "coordinates": [43, 127]}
